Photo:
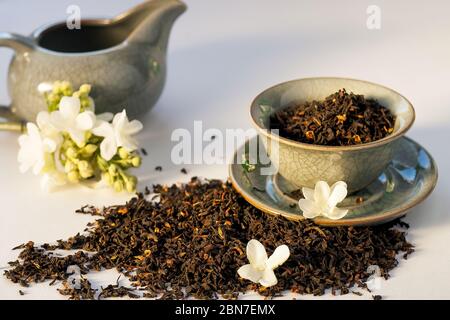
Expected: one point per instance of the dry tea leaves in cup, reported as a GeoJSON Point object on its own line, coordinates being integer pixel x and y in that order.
{"type": "Point", "coordinates": [341, 119]}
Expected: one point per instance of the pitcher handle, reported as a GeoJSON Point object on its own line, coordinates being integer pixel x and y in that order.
{"type": "Point", "coordinates": [13, 123]}
{"type": "Point", "coordinates": [19, 44]}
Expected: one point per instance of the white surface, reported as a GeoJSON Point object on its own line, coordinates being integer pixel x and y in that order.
{"type": "Point", "coordinates": [223, 53]}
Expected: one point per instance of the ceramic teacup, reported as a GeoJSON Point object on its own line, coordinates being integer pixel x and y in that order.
{"type": "Point", "coordinates": [302, 164]}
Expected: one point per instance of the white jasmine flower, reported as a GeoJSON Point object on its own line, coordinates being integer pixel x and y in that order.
{"type": "Point", "coordinates": [45, 87]}
{"type": "Point", "coordinates": [124, 129]}
{"type": "Point", "coordinates": [322, 200]}
{"type": "Point", "coordinates": [34, 149]}
{"type": "Point", "coordinates": [117, 134]}
{"type": "Point", "coordinates": [68, 118]}
{"type": "Point", "coordinates": [260, 269]}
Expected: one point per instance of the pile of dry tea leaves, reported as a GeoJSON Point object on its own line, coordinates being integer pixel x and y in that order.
{"type": "Point", "coordinates": [192, 239]}
{"type": "Point", "coordinates": [341, 119]}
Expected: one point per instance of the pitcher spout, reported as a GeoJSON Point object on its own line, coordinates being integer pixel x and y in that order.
{"type": "Point", "coordinates": [151, 21]}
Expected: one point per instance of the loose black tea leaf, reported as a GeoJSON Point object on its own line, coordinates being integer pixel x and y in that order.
{"type": "Point", "coordinates": [115, 291]}
{"type": "Point", "coordinates": [158, 168]}
{"type": "Point", "coordinates": [183, 171]}
{"type": "Point", "coordinates": [341, 119]}
{"type": "Point", "coordinates": [193, 241]}
{"type": "Point", "coordinates": [377, 297]}
{"type": "Point", "coordinates": [359, 200]}
{"type": "Point", "coordinates": [21, 292]}
{"type": "Point", "coordinates": [258, 189]}
{"type": "Point", "coordinates": [84, 292]}
{"type": "Point", "coordinates": [39, 265]}
{"type": "Point", "coordinates": [144, 152]}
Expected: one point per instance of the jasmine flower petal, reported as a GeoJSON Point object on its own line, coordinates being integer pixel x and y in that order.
{"type": "Point", "coordinates": [268, 278]}
{"type": "Point", "coordinates": [321, 192]}
{"type": "Point", "coordinates": [308, 193]}
{"type": "Point", "coordinates": [338, 193]}
{"type": "Point", "coordinates": [250, 273]}
{"type": "Point", "coordinates": [278, 257]}
{"type": "Point", "coordinates": [337, 213]}
{"type": "Point", "coordinates": [309, 208]}
{"type": "Point", "coordinates": [256, 254]}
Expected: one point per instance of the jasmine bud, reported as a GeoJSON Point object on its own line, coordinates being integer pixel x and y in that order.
{"type": "Point", "coordinates": [69, 166]}
{"type": "Point", "coordinates": [118, 186]}
{"type": "Point", "coordinates": [123, 154]}
{"type": "Point", "coordinates": [112, 170]}
{"type": "Point", "coordinates": [89, 149]}
{"type": "Point", "coordinates": [102, 163]}
{"type": "Point", "coordinates": [73, 176]}
{"type": "Point", "coordinates": [85, 89]}
{"type": "Point", "coordinates": [136, 161]}
{"type": "Point", "coordinates": [66, 88]}
{"type": "Point", "coordinates": [130, 184]}
{"type": "Point", "coordinates": [71, 153]}
{"type": "Point", "coordinates": [85, 169]}
{"type": "Point", "coordinates": [107, 178]}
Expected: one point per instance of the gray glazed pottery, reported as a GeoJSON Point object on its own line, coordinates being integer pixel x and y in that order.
{"type": "Point", "coordinates": [409, 179]}
{"type": "Point", "coordinates": [301, 164]}
{"type": "Point", "coordinates": [124, 59]}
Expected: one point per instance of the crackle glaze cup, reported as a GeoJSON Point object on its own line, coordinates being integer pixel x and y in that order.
{"type": "Point", "coordinates": [123, 58]}
{"type": "Point", "coordinates": [302, 164]}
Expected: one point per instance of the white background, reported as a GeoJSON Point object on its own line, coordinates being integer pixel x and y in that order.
{"type": "Point", "coordinates": [221, 55]}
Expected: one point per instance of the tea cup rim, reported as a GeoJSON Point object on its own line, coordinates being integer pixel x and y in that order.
{"type": "Point", "coordinates": [388, 139]}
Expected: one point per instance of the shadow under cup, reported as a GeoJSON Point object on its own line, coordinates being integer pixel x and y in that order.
{"type": "Point", "coordinates": [302, 164]}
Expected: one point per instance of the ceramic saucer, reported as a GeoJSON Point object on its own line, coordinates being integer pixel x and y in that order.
{"type": "Point", "coordinates": [410, 177]}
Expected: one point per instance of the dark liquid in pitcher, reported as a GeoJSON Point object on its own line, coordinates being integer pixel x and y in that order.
{"type": "Point", "coordinates": [88, 38]}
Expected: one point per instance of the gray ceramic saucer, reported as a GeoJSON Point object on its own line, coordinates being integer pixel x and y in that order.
{"type": "Point", "coordinates": [410, 177]}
